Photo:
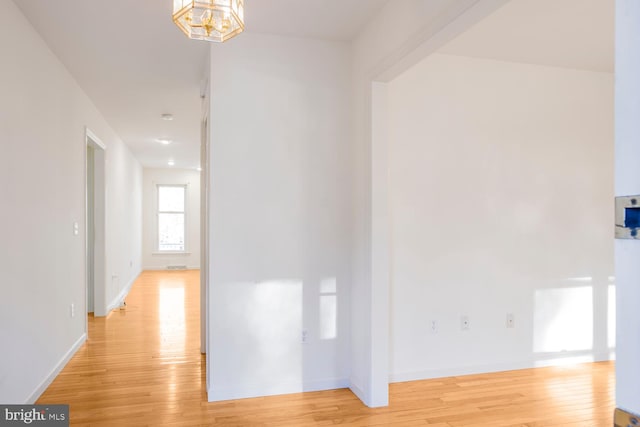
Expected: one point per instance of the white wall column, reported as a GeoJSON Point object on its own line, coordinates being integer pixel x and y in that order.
{"type": "Point", "coordinates": [380, 247]}
{"type": "Point", "coordinates": [627, 182]}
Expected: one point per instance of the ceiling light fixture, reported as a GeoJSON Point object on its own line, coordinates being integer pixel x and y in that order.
{"type": "Point", "coordinates": [171, 163]}
{"type": "Point", "coordinates": [164, 141]}
{"type": "Point", "coordinates": [167, 117]}
{"type": "Point", "coordinates": [211, 20]}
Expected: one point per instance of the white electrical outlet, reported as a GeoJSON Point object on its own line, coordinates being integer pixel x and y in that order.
{"type": "Point", "coordinates": [511, 321]}
{"type": "Point", "coordinates": [304, 337]}
{"type": "Point", "coordinates": [76, 229]}
{"type": "Point", "coordinates": [464, 323]}
{"type": "Point", "coordinates": [434, 326]}
{"type": "Point", "coordinates": [72, 310]}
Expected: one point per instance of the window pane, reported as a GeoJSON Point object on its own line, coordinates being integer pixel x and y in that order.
{"type": "Point", "coordinates": [171, 199]}
{"type": "Point", "coordinates": [171, 232]}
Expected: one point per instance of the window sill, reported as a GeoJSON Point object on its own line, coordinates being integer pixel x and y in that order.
{"type": "Point", "coordinates": [171, 253]}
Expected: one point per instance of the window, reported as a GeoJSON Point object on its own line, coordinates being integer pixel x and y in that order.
{"type": "Point", "coordinates": [171, 217]}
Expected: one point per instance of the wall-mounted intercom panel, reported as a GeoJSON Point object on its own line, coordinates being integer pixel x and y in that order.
{"type": "Point", "coordinates": [628, 217]}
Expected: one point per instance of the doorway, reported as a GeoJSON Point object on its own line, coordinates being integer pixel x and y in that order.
{"type": "Point", "coordinates": [204, 231]}
{"type": "Point", "coordinates": [95, 224]}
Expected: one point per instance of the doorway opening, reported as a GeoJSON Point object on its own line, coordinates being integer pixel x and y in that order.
{"type": "Point", "coordinates": [95, 224]}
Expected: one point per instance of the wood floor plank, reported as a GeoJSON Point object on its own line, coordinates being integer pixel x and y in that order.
{"type": "Point", "coordinates": [142, 367]}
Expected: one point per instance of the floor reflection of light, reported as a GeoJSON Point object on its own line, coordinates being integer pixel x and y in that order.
{"type": "Point", "coordinates": [273, 313]}
{"type": "Point", "coordinates": [563, 319]}
{"type": "Point", "coordinates": [564, 391]}
{"type": "Point", "coordinates": [173, 379]}
{"type": "Point", "coordinates": [172, 321]}
{"type": "Point", "coordinates": [328, 309]}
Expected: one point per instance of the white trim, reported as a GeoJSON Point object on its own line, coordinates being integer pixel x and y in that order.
{"type": "Point", "coordinates": [164, 268]}
{"type": "Point", "coordinates": [56, 370]}
{"type": "Point", "coordinates": [360, 394]}
{"type": "Point", "coordinates": [216, 394]}
{"type": "Point", "coordinates": [204, 225]}
{"type": "Point", "coordinates": [100, 219]}
{"type": "Point", "coordinates": [89, 134]}
{"type": "Point", "coordinates": [117, 301]}
{"type": "Point", "coordinates": [459, 371]}
{"type": "Point", "coordinates": [550, 360]}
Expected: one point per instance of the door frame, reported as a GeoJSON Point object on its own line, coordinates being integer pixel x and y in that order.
{"type": "Point", "coordinates": [99, 240]}
{"type": "Point", "coordinates": [205, 174]}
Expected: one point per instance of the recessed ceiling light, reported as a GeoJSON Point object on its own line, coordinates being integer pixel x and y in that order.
{"type": "Point", "coordinates": [164, 141]}
{"type": "Point", "coordinates": [171, 163]}
{"type": "Point", "coordinates": [167, 117]}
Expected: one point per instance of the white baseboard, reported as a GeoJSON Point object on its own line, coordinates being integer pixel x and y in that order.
{"type": "Point", "coordinates": [216, 394]}
{"type": "Point", "coordinates": [116, 302]}
{"type": "Point", "coordinates": [56, 370]}
{"type": "Point", "coordinates": [555, 360]}
{"type": "Point", "coordinates": [359, 392]}
{"type": "Point", "coordinates": [155, 268]}
{"type": "Point", "coordinates": [456, 371]}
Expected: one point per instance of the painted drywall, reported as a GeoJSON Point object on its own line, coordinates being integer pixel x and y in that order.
{"type": "Point", "coordinates": [501, 180]}
{"type": "Point", "coordinates": [419, 29]}
{"type": "Point", "coordinates": [280, 216]}
{"type": "Point", "coordinates": [627, 182]}
{"type": "Point", "coordinates": [123, 210]}
{"type": "Point", "coordinates": [43, 114]}
{"type": "Point", "coordinates": [151, 259]}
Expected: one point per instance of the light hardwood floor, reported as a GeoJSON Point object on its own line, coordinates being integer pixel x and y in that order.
{"type": "Point", "coordinates": [142, 366]}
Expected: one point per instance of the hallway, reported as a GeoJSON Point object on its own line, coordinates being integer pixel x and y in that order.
{"type": "Point", "coordinates": [142, 366]}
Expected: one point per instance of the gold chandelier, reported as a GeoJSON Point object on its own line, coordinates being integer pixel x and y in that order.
{"type": "Point", "coordinates": [212, 20]}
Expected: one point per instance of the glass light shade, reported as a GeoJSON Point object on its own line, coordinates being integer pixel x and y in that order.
{"type": "Point", "coordinates": [212, 20]}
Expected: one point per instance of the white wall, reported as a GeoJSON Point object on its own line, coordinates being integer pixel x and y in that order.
{"type": "Point", "coordinates": [500, 195]}
{"type": "Point", "coordinates": [280, 216]}
{"type": "Point", "coordinates": [43, 114]}
{"type": "Point", "coordinates": [627, 180]}
{"type": "Point", "coordinates": [151, 259]}
{"type": "Point", "coordinates": [123, 229]}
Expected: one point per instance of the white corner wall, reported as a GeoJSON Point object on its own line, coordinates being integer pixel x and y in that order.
{"type": "Point", "coordinates": [280, 216]}
{"type": "Point", "coordinates": [500, 196]}
{"type": "Point", "coordinates": [151, 259]}
{"type": "Point", "coordinates": [420, 28]}
{"type": "Point", "coordinates": [43, 114]}
{"type": "Point", "coordinates": [627, 252]}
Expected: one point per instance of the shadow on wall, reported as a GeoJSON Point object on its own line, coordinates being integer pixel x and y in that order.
{"type": "Point", "coordinates": [566, 328]}
{"type": "Point", "coordinates": [280, 336]}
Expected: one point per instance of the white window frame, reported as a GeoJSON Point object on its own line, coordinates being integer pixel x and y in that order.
{"type": "Point", "coordinates": [158, 212]}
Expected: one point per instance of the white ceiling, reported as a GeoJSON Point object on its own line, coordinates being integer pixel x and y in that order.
{"type": "Point", "coordinates": [323, 19]}
{"type": "Point", "coordinates": [135, 64]}
{"type": "Point", "coordinates": [562, 33]}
